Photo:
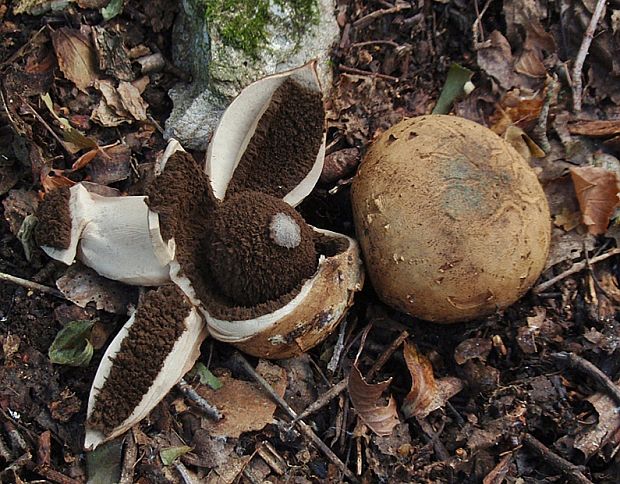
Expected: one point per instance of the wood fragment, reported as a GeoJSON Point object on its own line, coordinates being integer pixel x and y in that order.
{"type": "Point", "coordinates": [601, 379]}
{"type": "Point", "coordinates": [209, 410]}
{"type": "Point", "coordinates": [599, 128]}
{"type": "Point", "coordinates": [272, 458]}
{"type": "Point", "coordinates": [301, 425]}
{"type": "Point", "coordinates": [539, 133]}
{"type": "Point", "coordinates": [34, 286]}
{"type": "Point", "coordinates": [497, 474]}
{"type": "Point", "coordinates": [577, 86]}
{"type": "Point", "coordinates": [571, 471]}
{"type": "Point", "coordinates": [576, 267]}
{"type": "Point", "coordinates": [54, 476]}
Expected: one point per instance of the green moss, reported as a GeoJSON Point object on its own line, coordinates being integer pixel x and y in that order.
{"type": "Point", "coordinates": [242, 24]}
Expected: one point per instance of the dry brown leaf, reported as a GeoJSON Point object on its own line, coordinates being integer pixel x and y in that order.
{"type": "Point", "coordinates": [472, 348]}
{"type": "Point", "coordinates": [427, 393]}
{"type": "Point", "coordinates": [567, 219]}
{"type": "Point", "coordinates": [76, 57]}
{"type": "Point", "coordinates": [606, 430]}
{"type": "Point", "coordinates": [111, 165]}
{"type": "Point", "coordinates": [82, 285]}
{"type": "Point", "coordinates": [132, 101]}
{"type": "Point", "coordinates": [368, 401]}
{"type": "Point", "coordinates": [597, 192]}
{"type": "Point", "coordinates": [52, 179]}
{"type": "Point", "coordinates": [244, 404]}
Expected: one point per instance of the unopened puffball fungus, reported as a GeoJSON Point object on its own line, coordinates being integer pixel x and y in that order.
{"type": "Point", "coordinates": [452, 221]}
{"type": "Point", "coordinates": [259, 248]}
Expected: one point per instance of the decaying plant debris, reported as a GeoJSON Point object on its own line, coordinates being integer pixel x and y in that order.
{"type": "Point", "coordinates": [536, 400]}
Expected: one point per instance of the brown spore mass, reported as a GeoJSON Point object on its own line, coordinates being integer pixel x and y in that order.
{"type": "Point", "coordinates": [54, 215]}
{"type": "Point", "coordinates": [159, 322]}
{"type": "Point", "coordinates": [248, 266]}
{"type": "Point", "coordinates": [285, 144]}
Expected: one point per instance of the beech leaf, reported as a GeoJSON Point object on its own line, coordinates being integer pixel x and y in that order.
{"type": "Point", "coordinates": [169, 455]}
{"type": "Point", "coordinates": [427, 393]}
{"type": "Point", "coordinates": [76, 56]}
{"type": "Point", "coordinates": [597, 192]}
{"type": "Point", "coordinates": [369, 404]}
{"type": "Point", "coordinates": [71, 346]}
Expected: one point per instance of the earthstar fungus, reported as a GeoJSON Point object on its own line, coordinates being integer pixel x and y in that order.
{"type": "Point", "coordinates": [242, 260]}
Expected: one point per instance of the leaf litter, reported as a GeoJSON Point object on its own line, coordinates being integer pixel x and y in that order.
{"type": "Point", "coordinates": [74, 108]}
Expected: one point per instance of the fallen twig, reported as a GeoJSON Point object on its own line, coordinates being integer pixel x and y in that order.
{"type": "Point", "coordinates": [571, 471]}
{"type": "Point", "coordinates": [303, 427]}
{"type": "Point", "coordinates": [576, 267]}
{"type": "Point", "coordinates": [372, 16]}
{"type": "Point", "coordinates": [182, 470]}
{"type": "Point", "coordinates": [334, 391]}
{"type": "Point", "coordinates": [361, 72]}
{"type": "Point", "coordinates": [583, 52]}
{"type": "Point", "coordinates": [209, 410]}
{"type": "Point", "coordinates": [440, 450]}
{"type": "Point", "coordinates": [539, 132]}
{"type": "Point", "coordinates": [476, 28]}
{"type": "Point", "coordinates": [603, 381]}
{"type": "Point", "coordinates": [31, 285]}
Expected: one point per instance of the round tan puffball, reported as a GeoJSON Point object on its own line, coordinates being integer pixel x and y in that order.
{"type": "Point", "coordinates": [452, 221]}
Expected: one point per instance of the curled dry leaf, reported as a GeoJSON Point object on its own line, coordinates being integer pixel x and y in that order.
{"type": "Point", "coordinates": [368, 401]}
{"type": "Point", "coordinates": [597, 192]}
{"type": "Point", "coordinates": [607, 430]}
{"type": "Point", "coordinates": [82, 285]}
{"type": "Point", "coordinates": [427, 393]}
{"type": "Point", "coordinates": [76, 56]}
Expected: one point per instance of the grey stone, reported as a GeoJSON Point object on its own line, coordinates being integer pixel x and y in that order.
{"type": "Point", "coordinates": [220, 71]}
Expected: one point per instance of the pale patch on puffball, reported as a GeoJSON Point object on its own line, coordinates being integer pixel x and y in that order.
{"type": "Point", "coordinates": [284, 231]}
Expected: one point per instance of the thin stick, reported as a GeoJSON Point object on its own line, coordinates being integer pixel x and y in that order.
{"type": "Point", "coordinates": [334, 391]}
{"type": "Point", "coordinates": [361, 72]}
{"type": "Point", "coordinates": [576, 267]}
{"type": "Point", "coordinates": [391, 43]}
{"type": "Point", "coordinates": [571, 471]}
{"type": "Point", "coordinates": [372, 16]}
{"type": "Point", "coordinates": [583, 52]}
{"type": "Point", "coordinates": [31, 285]}
{"type": "Point", "coordinates": [209, 410]}
{"type": "Point", "coordinates": [440, 450]}
{"type": "Point", "coordinates": [182, 470]}
{"type": "Point", "coordinates": [603, 381]}
{"type": "Point", "coordinates": [129, 460]}
{"type": "Point", "coordinates": [303, 427]}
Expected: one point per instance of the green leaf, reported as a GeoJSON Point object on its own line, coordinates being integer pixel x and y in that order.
{"type": "Point", "coordinates": [169, 455]}
{"type": "Point", "coordinates": [205, 376]}
{"type": "Point", "coordinates": [104, 463]}
{"type": "Point", "coordinates": [69, 133]}
{"type": "Point", "coordinates": [112, 9]}
{"type": "Point", "coordinates": [458, 76]}
{"type": "Point", "coordinates": [71, 345]}
{"type": "Point", "coordinates": [26, 235]}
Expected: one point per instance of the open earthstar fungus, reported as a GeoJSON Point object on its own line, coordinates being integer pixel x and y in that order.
{"type": "Point", "coordinates": [241, 258]}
